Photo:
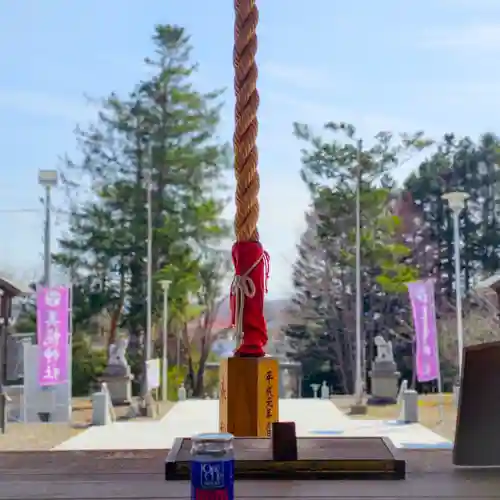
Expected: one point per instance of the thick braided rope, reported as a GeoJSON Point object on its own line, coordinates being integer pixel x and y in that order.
{"type": "Point", "coordinates": [246, 124]}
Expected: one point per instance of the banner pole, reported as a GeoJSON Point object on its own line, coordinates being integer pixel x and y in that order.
{"type": "Point", "coordinates": [436, 347]}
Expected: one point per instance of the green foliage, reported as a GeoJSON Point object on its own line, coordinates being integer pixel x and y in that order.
{"type": "Point", "coordinates": [87, 365]}
{"type": "Point", "coordinates": [176, 376]}
{"type": "Point", "coordinates": [335, 160]}
{"type": "Point", "coordinates": [161, 134]}
{"type": "Point", "coordinates": [322, 335]}
{"type": "Point", "coordinates": [209, 379]}
{"type": "Point", "coordinates": [407, 234]}
{"type": "Point", "coordinates": [26, 322]}
{"type": "Point", "coordinates": [458, 164]}
{"type": "Point", "coordinates": [160, 141]}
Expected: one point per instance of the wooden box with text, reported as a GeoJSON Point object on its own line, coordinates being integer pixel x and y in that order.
{"type": "Point", "coordinates": [248, 396]}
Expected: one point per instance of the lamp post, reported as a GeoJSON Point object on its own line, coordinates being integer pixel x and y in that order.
{"type": "Point", "coordinates": [149, 304]}
{"type": "Point", "coordinates": [456, 202]}
{"type": "Point", "coordinates": [149, 294]}
{"type": "Point", "coordinates": [165, 284]}
{"type": "Point", "coordinates": [48, 179]}
{"type": "Point", "coordinates": [358, 407]}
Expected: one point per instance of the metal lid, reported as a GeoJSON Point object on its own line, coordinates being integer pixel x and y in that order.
{"type": "Point", "coordinates": [220, 437]}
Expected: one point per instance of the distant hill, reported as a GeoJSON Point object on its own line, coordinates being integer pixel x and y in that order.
{"type": "Point", "coordinates": [276, 318]}
{"type": "Point", "coordinates": [274, 312]}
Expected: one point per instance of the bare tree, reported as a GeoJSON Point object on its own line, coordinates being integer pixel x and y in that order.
{"type": "Point", "coordinates": [480, 324]}
{"type": "Point", "coordinates": [199, 334]}
{"type": "Point", "coordinates": [321, 317]}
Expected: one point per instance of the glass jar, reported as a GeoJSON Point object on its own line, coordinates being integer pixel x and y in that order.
{"type": "Point", "coordinates": [212, 467]}
{"type": "Point", "coordinates": [212, 444]}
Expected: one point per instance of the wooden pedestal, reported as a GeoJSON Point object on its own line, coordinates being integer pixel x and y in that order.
{"type": "Point", "coordinates": [248, 396]}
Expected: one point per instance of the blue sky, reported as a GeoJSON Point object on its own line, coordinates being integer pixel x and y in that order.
{"type": "Point", "coordinates": [388, 65]}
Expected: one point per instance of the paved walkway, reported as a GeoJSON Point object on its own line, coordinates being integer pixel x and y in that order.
{"type": "Point", "coordinates": [313, 417]}
{"type": "Point", "coordinates": [184, 419]}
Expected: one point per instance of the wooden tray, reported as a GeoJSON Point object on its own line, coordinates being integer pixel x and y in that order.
{"type": "Point", "coordinates": [318, 458]}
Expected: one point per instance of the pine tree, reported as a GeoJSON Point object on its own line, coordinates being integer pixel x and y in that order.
{"type": "Point", "coordinates": [459, 165]}
{"type": "Point", "coordinates": [162, 134]}
{"type": "Point", "coordinates": [319, 336]}
{"type": "Point", "coordinates": [332, 170]}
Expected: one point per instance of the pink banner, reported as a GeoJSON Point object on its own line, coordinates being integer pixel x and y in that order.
{"type": "Point", "coordinates": [52, 321]}
{"type": "Point", "coordinates": [424, 320]}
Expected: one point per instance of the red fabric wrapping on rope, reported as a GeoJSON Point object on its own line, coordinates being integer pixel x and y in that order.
{"type": "Point", "coordinates": [251, 265]}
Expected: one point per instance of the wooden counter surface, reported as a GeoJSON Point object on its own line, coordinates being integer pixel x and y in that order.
{"type": "Point", "coordinates": [140, 475]}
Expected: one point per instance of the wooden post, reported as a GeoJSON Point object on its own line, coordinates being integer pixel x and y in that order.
{"type": "Point", "coordinates": [248, 396]}
{"type": "Point", "coordinates": [477, 441]}
{"type": "Point", "coordinates": [284, 443]}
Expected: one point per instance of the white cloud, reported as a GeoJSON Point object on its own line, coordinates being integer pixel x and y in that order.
{"type": "Point", "coordinates": [484, 37]}
{"type": "Point", "coordinates": [303, 77]}
{"type": "Point", "coordinates": [44, 104]}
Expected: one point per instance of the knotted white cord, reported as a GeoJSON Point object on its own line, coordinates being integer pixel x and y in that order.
{"type": "Point", "coordinates": [241, 287]}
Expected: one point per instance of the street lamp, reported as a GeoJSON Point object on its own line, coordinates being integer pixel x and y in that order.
{"type": "Point", "coordinates": [456, 202]}
{"type": "Point", "coordinates": [358, 407]}
{"type": "Point", "coordinates": [48, 179]}
{"type": "Point", "coordinates": [149, 272]}
{"type": "Point", "coordinates": [146, 395]}
{"type": "Point", "coordinates": [165, 284]}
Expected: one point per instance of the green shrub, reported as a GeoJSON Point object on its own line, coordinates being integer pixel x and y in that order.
{"type": "Point", "coordinates": [176, 375]}
{"type": "Point", "coordinates": [87, 366]}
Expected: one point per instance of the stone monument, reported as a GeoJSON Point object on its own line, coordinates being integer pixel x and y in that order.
{"type": "Point", "coordinates": [181, 393]}
{"type": "Point", "coordinates": [384, 374]}
{"type": "Point", "coordinates": [409, 407]}
{"type": "Point", "coordinates": [284, 382]}
{"type": "Point", "coordinates": [117, 374]}
{"type": "Point", "coordinates": [325, 390]}
{"type": "Point", "coordinates": [402, 388]}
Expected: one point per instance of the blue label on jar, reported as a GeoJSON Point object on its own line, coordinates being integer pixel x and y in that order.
{"type": "Point", "coordinates": [212, 480]}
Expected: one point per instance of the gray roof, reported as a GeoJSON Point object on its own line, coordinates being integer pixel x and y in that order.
{"type": "Point", "coordinates": [13, 289]}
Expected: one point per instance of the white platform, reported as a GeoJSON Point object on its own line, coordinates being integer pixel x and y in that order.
{"type": "Point", "coordinates": [313, 417]}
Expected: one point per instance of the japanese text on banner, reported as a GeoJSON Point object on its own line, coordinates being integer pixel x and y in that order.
{"type": "Point", "coordinates": [52, 335]}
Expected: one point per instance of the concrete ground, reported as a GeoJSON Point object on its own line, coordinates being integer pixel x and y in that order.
{"type": "Point", "coordinates": [436, 412]}
{"type": "Point", "coordinates": [313, 417]}
{"type": "Point", "coordinates": [46, 436]}
{"type": "Point", "coordinates": [185, 418]}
